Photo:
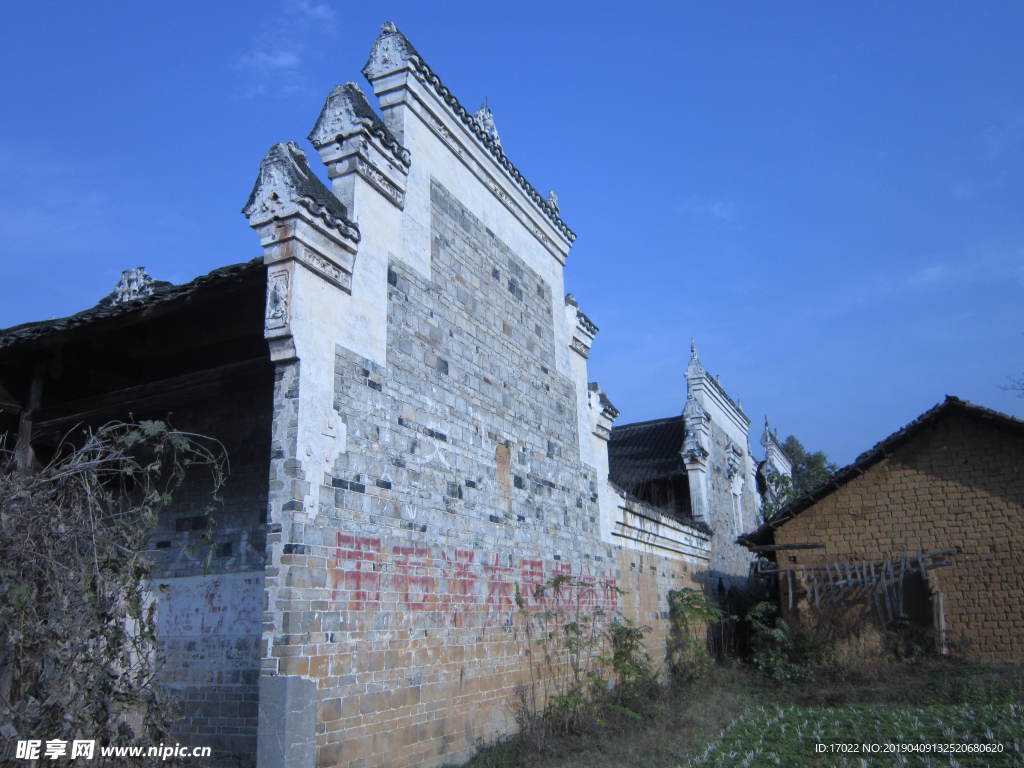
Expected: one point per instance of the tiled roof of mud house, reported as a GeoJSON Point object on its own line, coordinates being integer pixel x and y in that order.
{"type": "Point", "coordinates": [882, 449]}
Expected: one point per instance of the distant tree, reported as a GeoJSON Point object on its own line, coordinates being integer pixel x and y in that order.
{"type": "Point", "coordinates": [778, 493]}
{"type": "Point", "coordinates": [1016, 385]}
{"type": "Point", "coordinates": [809, 469]}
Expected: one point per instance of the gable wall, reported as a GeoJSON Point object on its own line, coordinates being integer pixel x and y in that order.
{"type": "Point", "coordinates": [395, 612]}
{"type": "Point", "coordinates": [456, 481]}
{"type": "Point", "coordinates": [437, 454]}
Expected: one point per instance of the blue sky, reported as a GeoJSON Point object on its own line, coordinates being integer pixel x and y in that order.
{"type": "Point", "coordinates": [827, 196]}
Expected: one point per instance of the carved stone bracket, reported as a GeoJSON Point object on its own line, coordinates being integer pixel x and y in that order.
{"type": "Point", "coordinates": [583, 329]}
{"type": "Point", "coordinates": [606, 412]}
{"type": "Point", "coordinates": [278, 308]}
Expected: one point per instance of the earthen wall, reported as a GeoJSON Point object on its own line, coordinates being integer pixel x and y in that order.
{"type": "Point", "coordinates": [956, 484]}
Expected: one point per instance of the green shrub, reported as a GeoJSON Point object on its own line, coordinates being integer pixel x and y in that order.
{"type": "Point", "coordinates": [635, 689]}
{"type": "Point", "coordinates": [783, 651]}
{"type": "Point", "coordinates": [689, 612]}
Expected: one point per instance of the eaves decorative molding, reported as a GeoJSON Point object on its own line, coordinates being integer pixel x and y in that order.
{"type": "Point", "coordinates": [373, 175]}
{"type": "Point", "coordinates": [392, 49]}
{"type": "Point", "coordinates": [586, 323]}
{"type": "Point", "coordinates": [608, 411]}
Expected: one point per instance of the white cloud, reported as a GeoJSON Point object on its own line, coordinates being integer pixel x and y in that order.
{"type": "Point", "coordinates": [304, 9]}
{"type": "Point", "coordinates": [276, 57]}
{"type": "Point", "coordinates": [932, 275]}
{"type": "Point", "coordinates": [270, 59]}
{"type": "Point", "coordinates": [1002, 137]}
{"type": "Point", "coordinates": [974, 268]}
{"type": "Point", "coordinates": [724, 210]}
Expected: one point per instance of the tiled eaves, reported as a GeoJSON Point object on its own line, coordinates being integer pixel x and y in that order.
{"type": "Point", "coordinates": [164, 296]}
{"type": "Point", "coordinates": [424, 72]}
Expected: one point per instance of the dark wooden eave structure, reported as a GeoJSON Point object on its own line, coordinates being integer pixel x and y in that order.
{"type": "Point", "coordinates": [143, 357]}
{"type": "Point", "coordinates": [762, 539]}
{"type": "Point", "coordinates": [645, 460]}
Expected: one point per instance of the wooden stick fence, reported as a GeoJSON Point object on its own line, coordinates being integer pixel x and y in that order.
{"type": "Point", "coordinates": [882, 580]}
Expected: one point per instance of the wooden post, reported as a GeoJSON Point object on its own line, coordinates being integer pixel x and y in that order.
{"type": "Point", "coordinates": [939, 619]}
{"type": "Point", "coordinates": [24, 457]}
{"type": "Point", "coordinates": [888, 578]}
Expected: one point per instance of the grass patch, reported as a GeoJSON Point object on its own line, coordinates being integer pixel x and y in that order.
{"type": "Point", "coordinates": [676, 726]}
{"type": "Point", "coordinates": [927, 700]}
{"type": "Point", "coordinates": [867, 736]}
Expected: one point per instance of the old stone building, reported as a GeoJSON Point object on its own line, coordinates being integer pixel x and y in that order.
{"type": "Point", "coordinates": [194, 353]}
{"type": "Point", "coordinates": [403, 393]}
{"type": "Point", "coordinates": [698, 466]}
{"type": "Point", "coordinates": [926, 529]}
{"type": "Point", "coordinates": [401, 384]}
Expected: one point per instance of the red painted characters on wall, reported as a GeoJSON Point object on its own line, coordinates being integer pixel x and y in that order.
{"type": "Point", "coordinates": [357, 572]}
{"type": "Point", "coordinates": [366, 574]}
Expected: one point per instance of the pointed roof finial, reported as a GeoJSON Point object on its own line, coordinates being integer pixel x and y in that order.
{"type": "Point", "coordinates": [694, 369]}
{"type": "Point", "coordinates": [391, 52]}
{"type": "Point", "coordinates": [485, 119]}
{"type": "Point", "coordinates": [346, 112]}
{"type": "Point", "coordinates": [286, 183]}
{"type": "Point", "coordinates": [134, 284]}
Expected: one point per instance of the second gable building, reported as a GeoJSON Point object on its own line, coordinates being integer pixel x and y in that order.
{"type": "Point", "coordinates": [698, 466]}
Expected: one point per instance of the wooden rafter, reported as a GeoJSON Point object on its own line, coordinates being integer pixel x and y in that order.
{"type": "Point", "coordinates": [782, 547]}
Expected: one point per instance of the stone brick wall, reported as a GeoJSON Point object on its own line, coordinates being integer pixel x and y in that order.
{"type": "Point", "coordinates": [958, 483]}
{"type": "Point", "coordinates": [730, 562]}
{"type": "Point", "coordinates": [209, 577]}
{"type": "Point", "coordinates": [396, 610]}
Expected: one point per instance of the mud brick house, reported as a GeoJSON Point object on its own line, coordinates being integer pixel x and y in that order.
{"type": "Point", "coordinates": [928, 525]}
